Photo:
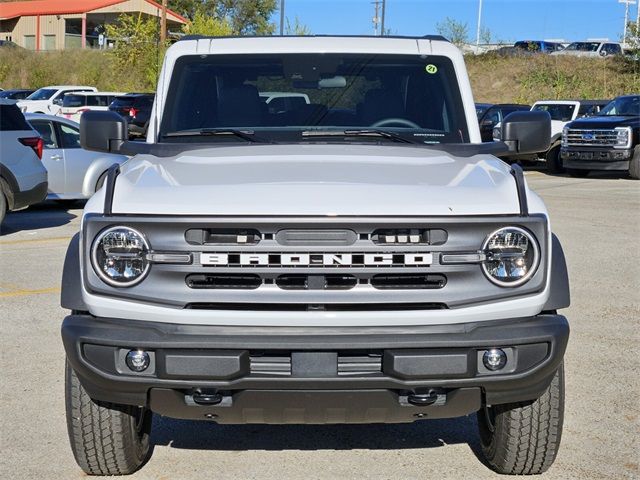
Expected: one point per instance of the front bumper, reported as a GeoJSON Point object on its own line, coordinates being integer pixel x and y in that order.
{"type": "Point", "coordinates": [313, 374]}
{"type": "Point", "coordinates": [596, 158]}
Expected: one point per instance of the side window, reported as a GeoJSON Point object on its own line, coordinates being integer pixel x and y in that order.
{"type": "Point", "coordinates": [69, 136]}
{"type": "Point", "coordinates": [47, 132]}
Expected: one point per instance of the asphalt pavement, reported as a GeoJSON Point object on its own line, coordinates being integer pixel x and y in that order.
{"type": "Point", "coordinates": [596, 218]}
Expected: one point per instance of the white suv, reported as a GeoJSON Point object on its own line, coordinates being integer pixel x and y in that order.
{"type": "Point", "coordinates": [23, 178]}
{"type": "Point", "coordinates": [75, 104]}
{"type": "Point", "coordinates": [594, 48]}
{"type": "Point", "coordinates": [49, 99]}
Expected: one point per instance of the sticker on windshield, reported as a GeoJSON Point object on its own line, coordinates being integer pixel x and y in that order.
{"type": "Point", "coordinates": [431, 68]}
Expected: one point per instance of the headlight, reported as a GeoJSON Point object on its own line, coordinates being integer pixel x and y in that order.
{"type": "Point", "coordinates": [623, 137]}
{"type": "Point", "coordinates": [512, 256]}
{"type": "Point", "coordinates": [565, 137]}
{"type": "Point", "coordinates": [119, 256]}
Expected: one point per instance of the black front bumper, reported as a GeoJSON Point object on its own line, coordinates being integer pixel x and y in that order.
{"type": "Point", "coordinates": [596, 158]}
{"type": "Point", "coordinates": [312, 374]}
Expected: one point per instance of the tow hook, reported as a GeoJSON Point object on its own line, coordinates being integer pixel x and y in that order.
{"type": "Point", "coordinates": [423, 399]}
{"type": "Point", "coordinates": [207, 398]}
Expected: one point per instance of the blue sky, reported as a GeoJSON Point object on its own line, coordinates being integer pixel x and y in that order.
{"type": "Point", "coordinates": [508, 20]}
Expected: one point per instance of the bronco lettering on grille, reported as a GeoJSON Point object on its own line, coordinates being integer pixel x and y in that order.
{"type": "Point", "coordinates": [316, 259]}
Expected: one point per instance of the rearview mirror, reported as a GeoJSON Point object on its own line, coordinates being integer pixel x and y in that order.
{"type": "Point", "coordinates": [526, 132]}
{"type": "Point", "coordinates": [103, 131]}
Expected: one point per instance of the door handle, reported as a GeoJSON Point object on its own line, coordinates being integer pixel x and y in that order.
{"type": "Point", "coordinates": [56, 157]}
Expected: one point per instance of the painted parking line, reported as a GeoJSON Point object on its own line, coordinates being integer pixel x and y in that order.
{"type": "Point", "coordinates": [27, 292]}
{"type": "Point", "coordinates": [36, 240]}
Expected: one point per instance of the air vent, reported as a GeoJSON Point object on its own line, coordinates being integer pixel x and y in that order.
{"type": "Point", "coordinates": [409, 236]}
{"type": "Point", "coordinates": [316, 282]}
{"type": "Point", "coordinates": [408, 281]}
{"type": "Point", "coordinates": [224, 282]}
{"type": "Point", "coordinates": [216, 236]}
{"type": "Point", "coordinates": [318, 238]}
{"type": "Point", "coordinates": [358, 365]}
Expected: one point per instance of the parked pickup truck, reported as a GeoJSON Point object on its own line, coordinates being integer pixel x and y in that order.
{"type": "Point", "coordinates": [362, 258]}
{"type": "Point", "coordinates": [607, 141]}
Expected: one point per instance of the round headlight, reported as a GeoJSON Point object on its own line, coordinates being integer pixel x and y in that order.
{"type": "Point", "coordinates": [512, 256]}
{"type": "Point", "coordinates": [119, 256]}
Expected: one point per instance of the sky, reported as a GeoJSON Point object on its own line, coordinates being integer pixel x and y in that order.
{"type": "Point", "coordinates": [508, 20]}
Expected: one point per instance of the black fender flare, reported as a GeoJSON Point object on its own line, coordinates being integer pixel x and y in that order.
{"type": "Point", "coordinates": [559, 295]}
{"type": "Point", "coordinates": [71, 291]}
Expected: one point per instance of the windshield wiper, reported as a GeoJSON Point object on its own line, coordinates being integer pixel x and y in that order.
{"type": "Point", "coordinates": [368, 132]}
{"type": "Point", "coordinates": [247, 135]}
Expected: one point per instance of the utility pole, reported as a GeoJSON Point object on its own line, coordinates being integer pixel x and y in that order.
{"type": "Point", "coordinates": [163, 23]}
{"type": "Point", "coordinates": [479, 23]}
{"type": "Point", "coordinates": [384, 9]}
{"type": "Point", "coordinates": [626, 18]}
{"type": "Point", "coordinates": [281, 17]}
{"type": "Point", "coordinates": [376, 18]}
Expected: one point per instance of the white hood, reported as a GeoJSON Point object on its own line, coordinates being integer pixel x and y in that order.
{"type": "Point", "coordinates": [315, 180]}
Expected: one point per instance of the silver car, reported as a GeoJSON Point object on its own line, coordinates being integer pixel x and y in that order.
{"type": "Point", "coordinates": [74, 173]}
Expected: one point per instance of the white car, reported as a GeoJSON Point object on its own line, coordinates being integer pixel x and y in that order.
{"type": "Point", "coordinates": [74, 104]}
{"type": "Point", "coordinates": [365, 260]}
{"type": "Point", "coordinates": [591, 49]}
{"type": "Point", "coordinates": [74, 173]}
{"type": "Point", "coordinates": [49, 99]}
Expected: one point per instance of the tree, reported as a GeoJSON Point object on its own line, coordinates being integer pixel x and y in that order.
{"type": "Point", "coordinates": [137, 52]}
{"type": "Point", "coordinates": [485, 35]}
{"type": "Point", "coordinates": [203, 24]}
{"type": "Point", "coordinates": [297, 28]}
{"type": "Point", "coordinates": [246, 17]}
{"type": "Point", "coordinates": [456, 32]}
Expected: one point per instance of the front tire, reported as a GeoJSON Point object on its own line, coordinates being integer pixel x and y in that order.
{"type": "Point", "coordinates": [634, 164]}
{"type": "Point", "coordinates": [3, 206]}
{"type": "Point", "coordinates": [106, 438]}
{"type": "Point", "coordinates": [523, 438]}
{"type": "Point", "coordinates": [554, 163]}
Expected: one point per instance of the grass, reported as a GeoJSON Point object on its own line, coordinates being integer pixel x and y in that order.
{"type": "Point", "coordinates": [494, 79]}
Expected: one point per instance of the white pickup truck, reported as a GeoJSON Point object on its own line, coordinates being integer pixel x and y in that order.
{"type": "Point", "coordinates": [362, 258]}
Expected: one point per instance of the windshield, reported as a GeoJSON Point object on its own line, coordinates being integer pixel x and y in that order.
{"type": "Point", "coordinates": [626, 106]}
{"type": "Point", "coordinates": [42, 94]}
{"type": "Point", "coordinates": [561, 112]}
{"type": "Point", "coordinates": [584, 46]}
{"type": "Point", "coordinates": [416, 97]}
{"type": "Point", "coordinates": [531, 46]}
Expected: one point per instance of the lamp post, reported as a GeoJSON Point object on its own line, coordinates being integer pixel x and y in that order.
{"type": "Point", "coordinates": [626, 18]}
{"type": "Point", "coordinates": [479, 23]}
{"type": "Point", "coordinates": [281, 17]}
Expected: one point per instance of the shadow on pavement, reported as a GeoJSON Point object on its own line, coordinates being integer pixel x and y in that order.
{"type": "Point", "coordinates": [201, 435]}
{"type": "Point", "coordinates": [36, 217]}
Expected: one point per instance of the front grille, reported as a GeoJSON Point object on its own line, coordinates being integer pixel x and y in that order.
{"type": "Point", "coordinates": [316, 282]}
{"type": "Point", "coordinates": [349, 364]}
{"type": "Point", "coordinates": [224, 282]}
{"type": "Point", "coordinates": [592, 138]}
{"type": "Point", "coordinates": [408, 281]}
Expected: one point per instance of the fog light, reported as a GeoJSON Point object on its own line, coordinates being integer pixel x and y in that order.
{"type": "Point", "coordinates": [494, 359]}
{"type": "Point", "coordinates": [138, 360]}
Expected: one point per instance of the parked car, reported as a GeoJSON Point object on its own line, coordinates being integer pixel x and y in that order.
{"type": "Point", "coordinates": [136, 108]}
{"type": "Point", "coordinates": [489, 115]}
{"type": "Point", "coordinates": [16, 93]}
{"type": "Point", "coordinates": [23, 177]}
{"type": "Point", "coordinates": [75, 103]}
{"type": "Point", "coordinates": [9, 44]}
{"type": "Point", "coordinates": [74, 173]}
{"type": "Point", "coordinates": [591, 49]}
{"type": "Point", "coordinates": [530, 47]}
{"type": "Point", "coordinates": [607, 141]}
{"type": "Point", "coordinates": [49, 99]}
{"type": "Point", "coordinates": [561, 112]}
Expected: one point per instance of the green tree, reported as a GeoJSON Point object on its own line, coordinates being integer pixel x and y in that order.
{"type": "Point", "coordinates": [296, 28]}
{"type": "Point", "coordinates": [203, 24]}
{"type": "Point", "coordinates": [485, 35]}
{"type": "Point", "coordinates": [456, 32]}
{"type": "Point", "coordinates": [137, 54]}
{"type": "Point", "coordinates": [246, 17]}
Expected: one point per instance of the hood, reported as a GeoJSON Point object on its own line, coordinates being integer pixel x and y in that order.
{"type": "Point", "coordinates": [605, 121]}
{"type": "Point", "coordinates": [315, 180]}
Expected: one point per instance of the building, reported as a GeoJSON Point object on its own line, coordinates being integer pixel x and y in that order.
{"type": "Point", "coordinates": [60, 24]}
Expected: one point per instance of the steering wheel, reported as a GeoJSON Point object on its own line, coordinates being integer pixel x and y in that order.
{"type": "Point", "coordinates": [386, 122]}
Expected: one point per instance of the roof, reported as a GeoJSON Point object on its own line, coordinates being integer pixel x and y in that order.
{"type": "Point", "coordinates": [63, 7]}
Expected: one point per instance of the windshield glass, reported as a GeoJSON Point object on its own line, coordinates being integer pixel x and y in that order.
{"type": "Point", "coordinates": [623, 106]}
{"type": "Point", "coordinates": [584, 46]}
{"type": "Point", "coordinates": [531, 46]}
{"type": "Point", "coordinates": [561, 112]}
{"type": "Point", "coordinates": [42, 94]}
{"type": "Point", "coordinates": [283, 95]}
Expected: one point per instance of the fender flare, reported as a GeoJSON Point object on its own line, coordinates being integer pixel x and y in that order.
{"type": "Point", "coordinates": [71, 291]}
{"type": "Point", "coordinates": [559, 296]}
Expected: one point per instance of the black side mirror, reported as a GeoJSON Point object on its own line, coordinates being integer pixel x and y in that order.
{"type": "Point", "coordinates": [103, 131]}
{"type": "Point", "coordinates": [526, 132]}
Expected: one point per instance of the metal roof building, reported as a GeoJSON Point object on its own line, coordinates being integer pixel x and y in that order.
{"type": "Point", "coordinates": [60, 24]}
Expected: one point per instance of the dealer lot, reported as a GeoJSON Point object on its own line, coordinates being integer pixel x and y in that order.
{"type": "Point", "coordinates": [598, 222]}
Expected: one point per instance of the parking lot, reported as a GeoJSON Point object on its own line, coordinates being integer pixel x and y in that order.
{"type": "Point", "coordinates": [597, 220]}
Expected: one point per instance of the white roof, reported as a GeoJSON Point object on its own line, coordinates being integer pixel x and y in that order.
{"type": "Point", "coordinates": [87, 94]}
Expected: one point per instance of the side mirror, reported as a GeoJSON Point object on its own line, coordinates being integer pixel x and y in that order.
{"type": "Point", "coordinates": [526, 132]}
{"type": "Point", "coordinates": [103, 131]}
